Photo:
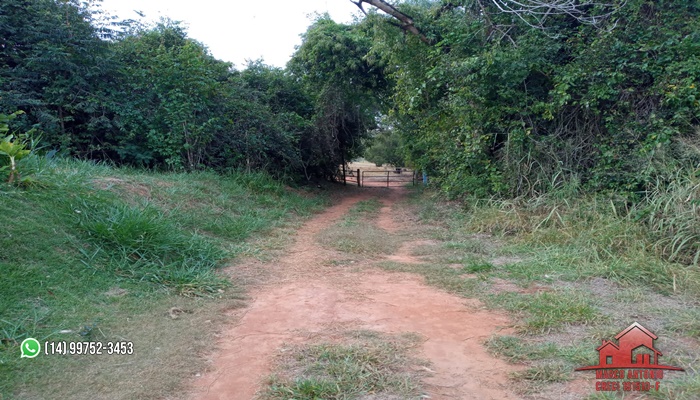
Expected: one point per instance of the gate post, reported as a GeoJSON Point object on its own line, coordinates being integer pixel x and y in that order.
{"type": "Point", "coordinates": [387, 178]}
{"type": "Point", "coordinates": [359, 178]}
{"type": "Point", "coordinates": [345, 180]}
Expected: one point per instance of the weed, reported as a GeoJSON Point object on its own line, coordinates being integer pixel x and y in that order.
{"type": "Point", "coordinates": [361, 212]}
{"type": "Point", "coordinates": [357, 239]}
{"type": "Point", "coordinates": [603, 396]}
{"type": "Point", "coordinates": [686, 322]}
{"type": "Point", "coordinates": [671, 212]}
{"type": "Point", "coordinates": [14, 148]}
{"type": "Point", "coordinates": [594, 245]}
{"type": "Point", "coordinates": [354, 235]}
{"type": "Point", "coordinates": [549, 311]}
{"type": "Point", "coordinates": [366, 207]}
{"type": "Point", "coordinates": [365, 364]}
{"type": "Point", "coordinates": [479, 267]}
{"type": "Point", "coordinates": [545, 373]}
{"type": "Point", "coordinates": [13, 332]}
{"type": "Point", "coordinates": [304, 389]}
{"type": "Point", "coordinates": [517, 349]}
{"type": "Point", "coordinates": [468, 245]}
{"type": "Point", "coordinates": [686, 387]}
{"type": "Point", "coordinates": [452, 252]}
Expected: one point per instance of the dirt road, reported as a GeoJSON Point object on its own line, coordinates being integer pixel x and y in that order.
{"type": "Point", "coordinates": [307, 295]}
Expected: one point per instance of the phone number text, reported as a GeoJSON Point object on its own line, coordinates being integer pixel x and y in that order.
{"type": "Point", "coordinates": [63, 348]}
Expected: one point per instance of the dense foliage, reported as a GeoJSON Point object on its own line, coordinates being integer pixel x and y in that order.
{"type": "Point", "coordinates": [495, 106]}
{"type": "Point", "coordinates": [489, 105]}
{"type": "Point", "coordinates": [482, 101]}
{"type": "Point", "coordinates": [54, 67]}
{"type": "Point", "coordinates": [387, 148]}
{"type": "Point", "coordinates": [152, 97]}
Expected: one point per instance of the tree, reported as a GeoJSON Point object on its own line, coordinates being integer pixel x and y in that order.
{"type": "Point", "coordinates": [496, 107]}
{"type": "Point", "coordinates": [53, 65]}
{"type": "Point", "coordinates": [170, 86]}
{"type": "Point", "coordinates": [386, 148]}
{"type": "Point", "coordinates": [536, 12]}
{"type": "Point", "coordinates": [266, 113]}
{"type": "Point", "coordinates": [333, 63]}
{"type": "Point", "coordinates": [407, 22]}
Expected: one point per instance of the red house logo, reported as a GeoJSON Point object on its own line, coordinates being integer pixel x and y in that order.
{"type": "Point", "coordinates": [634, 349]}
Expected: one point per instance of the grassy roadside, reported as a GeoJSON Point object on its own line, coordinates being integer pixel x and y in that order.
{"type": "Point", "coordinates": [102, 254]}
{"type": "Point", "coordinates": [571, 273]}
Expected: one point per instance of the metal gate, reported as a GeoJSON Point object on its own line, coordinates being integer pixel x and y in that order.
{"type": "Point", "coordinates": [380, 177]}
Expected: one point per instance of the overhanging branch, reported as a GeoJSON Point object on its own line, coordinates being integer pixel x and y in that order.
{"type": "Point", "coordinates": [532, 12]}
{"type": "Point", "coordinates": [407, 23]}
{"type": "Point", "coordinates": [535, 12]}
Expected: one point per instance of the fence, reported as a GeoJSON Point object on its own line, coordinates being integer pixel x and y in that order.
{"type": "Point", "coordinates": [380, 177]}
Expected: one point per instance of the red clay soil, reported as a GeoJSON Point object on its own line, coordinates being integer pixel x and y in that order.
{"type": "Point", "coordinates": [311, 298]}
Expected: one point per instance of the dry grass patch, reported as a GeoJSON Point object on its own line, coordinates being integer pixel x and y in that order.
{"type": "Point", "coordinates": [364, 240]}
{"type": "Point", "coordinates": [356, 233]}
{"type": "Point", "coordinates": [355, 364]}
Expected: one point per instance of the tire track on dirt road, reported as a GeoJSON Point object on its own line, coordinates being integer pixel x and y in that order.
{"type": "Point", "coordinates": [313, 297]}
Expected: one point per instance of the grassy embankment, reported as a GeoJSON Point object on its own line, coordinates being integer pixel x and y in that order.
{"type": "Point", "coordinates": [102, 254]}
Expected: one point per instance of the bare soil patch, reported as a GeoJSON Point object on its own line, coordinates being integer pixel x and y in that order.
{"type": "Point", "coordinates": [306, 295]}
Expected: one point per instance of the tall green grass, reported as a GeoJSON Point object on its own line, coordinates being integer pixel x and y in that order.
{"type": "Point", "coordinates": [143, 244]}
{"type": "Point", "coordinates": [587, 237]}
{"type": "Point", "coordinates": [672, 213]}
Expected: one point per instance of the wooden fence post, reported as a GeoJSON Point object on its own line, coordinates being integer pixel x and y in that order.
{"type": "Point", "coordinates": [345, 180]}
{"type": "Point", "coordinates": [359, 178]}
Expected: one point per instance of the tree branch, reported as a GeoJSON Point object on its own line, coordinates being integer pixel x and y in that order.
{"type": "Point", "coordinates": [407, 23]}
{"type": "Point", "coordinates": [359, 4]}
{"type": "Point", "coordinates": [535, 12]}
